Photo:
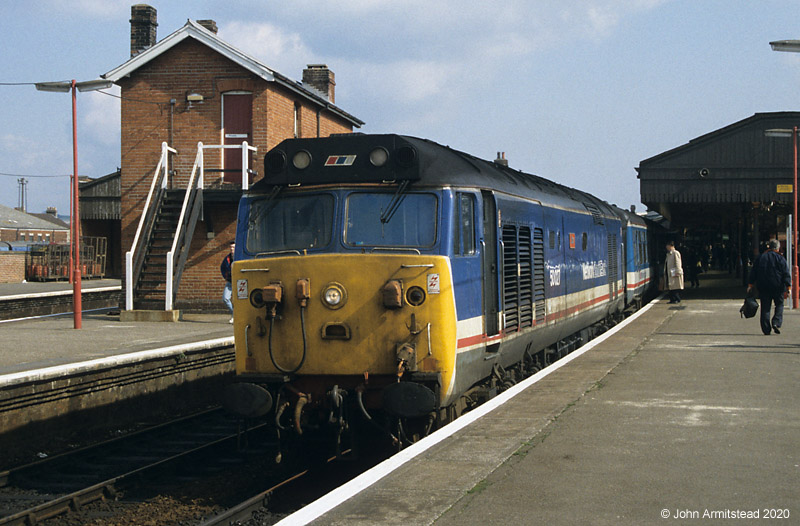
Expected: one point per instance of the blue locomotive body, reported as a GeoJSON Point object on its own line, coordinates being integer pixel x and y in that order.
{"type": "Point", "coordinates": [421, 273]}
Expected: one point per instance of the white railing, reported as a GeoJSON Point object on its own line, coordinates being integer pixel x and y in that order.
{"type": "Point", "coordinates": [161, 168]}
{"type": "Point", "coordinates": [246, 149]}
{"type": "Point", "coordinates": [197, 180]}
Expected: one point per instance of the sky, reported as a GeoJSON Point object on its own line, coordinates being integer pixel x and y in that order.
{"type": "Point", "coordinates": [576, 91]}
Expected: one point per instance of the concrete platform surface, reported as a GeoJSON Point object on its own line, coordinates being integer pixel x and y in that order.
{"type": "Point", "coordinates": [46, 342]}
{"type": "Point", "coordinates": [688, 415]}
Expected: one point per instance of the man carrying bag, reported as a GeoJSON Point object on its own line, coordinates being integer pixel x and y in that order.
{"type": "Point", "coordinates": [772, 277]}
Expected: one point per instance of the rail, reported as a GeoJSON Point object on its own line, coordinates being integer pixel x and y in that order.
{"type": "Point", "coordinates": [101, 470]}
{"type": "Point", "coordinates": [134, 258]}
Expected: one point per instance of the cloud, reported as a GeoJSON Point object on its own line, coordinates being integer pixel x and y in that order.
{"type": "Point", "coordinates": [100, 115]}
{"type": "Point", "coordinates": [28, 160]}
{"type": "Point", "coordinates": [599, 19]}
{"type": "Point", "coordinates": [407, 81]}
{"type": "Point", "coordinates": [279, 49]}
{"type": "Point", "coordinates": [416, 51]}
{"type": "Point", "coordinates": [108, 9]}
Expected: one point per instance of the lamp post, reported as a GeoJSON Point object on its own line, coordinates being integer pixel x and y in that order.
{"type": "Point", "coordinates": [792, 46]}
{"type": "Point", "coordinates": [781, 132]}
{"type": "Point", "coordinates": [75, 221]}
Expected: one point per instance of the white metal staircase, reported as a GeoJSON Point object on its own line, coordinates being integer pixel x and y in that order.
{"type": "Point", "coordinates": [155, 262]}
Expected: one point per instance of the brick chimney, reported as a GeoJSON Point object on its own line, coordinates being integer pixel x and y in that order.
{"type": "Point", "coordinates": [143, 28]}
{"type": "Point", "coordinates": [319, 77]}
{"type": "Point", "coordinates": [209, 24]}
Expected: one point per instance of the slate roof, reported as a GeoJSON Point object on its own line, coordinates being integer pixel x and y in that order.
{"type": "Point", "coordinates": [11, 218]}
{"type": "Point", "coordinates": [50, 218]}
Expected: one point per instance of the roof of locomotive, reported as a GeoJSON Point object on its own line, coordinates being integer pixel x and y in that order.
{"type": "Point", "coordinates": [347, 159]}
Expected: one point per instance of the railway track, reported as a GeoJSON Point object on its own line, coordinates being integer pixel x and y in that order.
{"type": "Point", "coordinates": [296, 491]}
{"type": "Point", "coordinates": [65, 483]}
{"type": "Point", "coordinates": [185, 472]}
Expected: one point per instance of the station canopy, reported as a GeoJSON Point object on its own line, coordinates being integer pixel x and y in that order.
{"type": "Point", "coordinates": [717, 180]}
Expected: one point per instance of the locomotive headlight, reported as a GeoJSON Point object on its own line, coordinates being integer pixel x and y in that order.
{"type": "Point", "coordinates": [301, 160]}
{"type": "Point", "coordinates": [378, 157]}
{"type": "Point", "coordinates": [334, 295]}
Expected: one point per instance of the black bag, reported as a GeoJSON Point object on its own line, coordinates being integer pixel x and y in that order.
{"type": "Point", "coordinates": [750, 306]}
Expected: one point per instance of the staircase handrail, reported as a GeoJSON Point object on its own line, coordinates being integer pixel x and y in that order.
{"type": "Point", "coordinates": [134, 258]}
{"type": "Point", "coordinates": [195, 184]}
{"type": "Point", "coordinates": [192, 207]}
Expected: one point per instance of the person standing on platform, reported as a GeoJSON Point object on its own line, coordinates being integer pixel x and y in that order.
{"type": "Point", "coordinates": [225, 269]}
{"type": "Point", "coordinates": [673, 273]}
{"type": "Point", "coordinates": [771, 276]}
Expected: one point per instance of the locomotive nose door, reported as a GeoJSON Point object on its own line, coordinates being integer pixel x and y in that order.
{"type": "Point", "coordinates": [489, 262]}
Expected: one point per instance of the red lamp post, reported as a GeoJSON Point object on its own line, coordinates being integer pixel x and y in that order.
{"type": "Point", "coordinates": [74, 214]}
{"type": "Point", "coordinates": [779, 132]}
{"type": "Point", "coordinates": [795, 272]}
{"type": "Point", "coordinates": [792, 46]}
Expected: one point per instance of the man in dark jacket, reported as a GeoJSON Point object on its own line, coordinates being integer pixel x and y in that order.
{"type": "Point", "coordinates": [225, 269]}
{"type": "Point", "coordinates": [772, 277]}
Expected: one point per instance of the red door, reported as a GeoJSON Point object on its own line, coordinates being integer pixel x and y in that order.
{"type": "Point", "coordinates": [237, 126]}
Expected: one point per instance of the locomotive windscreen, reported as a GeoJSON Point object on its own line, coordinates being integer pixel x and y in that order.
{"type": "Point", "coordinates": [290, 223]}
{"type": "Point", "coordinates": [412, 225]}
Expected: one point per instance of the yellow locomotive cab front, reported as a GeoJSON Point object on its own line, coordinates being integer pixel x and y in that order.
{"type": "Point", "coordinates": [344, 318]}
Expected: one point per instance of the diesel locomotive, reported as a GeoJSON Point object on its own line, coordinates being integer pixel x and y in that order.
{"type": "Point", "coordinates": [392, 280]}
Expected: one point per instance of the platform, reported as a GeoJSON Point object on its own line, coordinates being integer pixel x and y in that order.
{"type": "Point", "coordinates": [58, 383]}
{"type": "Point", "coordinates": [688, 413]}
{"type": "Point", "coordinates": [39, 343]}
{"type": "Point", "coordinates": [41, 298]}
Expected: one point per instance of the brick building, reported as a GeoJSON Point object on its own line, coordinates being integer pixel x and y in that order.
{"type": "Point", "coordinates": [193, 87]}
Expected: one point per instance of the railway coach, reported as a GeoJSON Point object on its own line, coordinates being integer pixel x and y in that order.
{"type": "Point", "coordinates": [393, 280]}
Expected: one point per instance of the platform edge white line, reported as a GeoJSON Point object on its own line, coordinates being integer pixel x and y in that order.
{"type": "Point", "coordinates": [37, 375]}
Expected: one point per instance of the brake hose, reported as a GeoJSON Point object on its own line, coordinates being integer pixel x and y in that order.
{"type": "Point", "coordinates": [269, 344]}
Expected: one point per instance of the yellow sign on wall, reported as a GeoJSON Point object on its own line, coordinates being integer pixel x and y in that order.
{"type": "Point", "coordinates": [785, 189]}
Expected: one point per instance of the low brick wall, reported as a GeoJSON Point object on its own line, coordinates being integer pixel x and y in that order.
{"type": "Point", "coordinates": [12, 267]}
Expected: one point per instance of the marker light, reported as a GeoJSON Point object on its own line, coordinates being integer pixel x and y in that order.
{"type": "Point", "coordinates": [275, 162]}
{"type": "Point", "coordinates": [378, 157]}
{"type": "Point", "coordinates": [415, 296]}
{"type": "Point", "coordinates": [301, 160]}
